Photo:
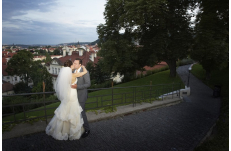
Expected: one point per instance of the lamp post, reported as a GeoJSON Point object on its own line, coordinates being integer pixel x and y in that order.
{"type": "Point", "coordinates": [189, 70]}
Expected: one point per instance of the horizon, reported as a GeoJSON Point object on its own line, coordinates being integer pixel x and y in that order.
{"type": "Point", "coordinates": [49, 44]}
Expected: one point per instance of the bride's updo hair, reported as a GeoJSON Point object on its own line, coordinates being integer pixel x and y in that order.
{"type": "Point", "coordinates": [68, 63]}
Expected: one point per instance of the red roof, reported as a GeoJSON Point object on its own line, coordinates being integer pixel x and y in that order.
{"type": "Point", "coordinates": [4, 53]}
{"type": "Point", "coordinates": [85, 57]}
{"type": "Point", "coordinates": [9, 55]}
{"type": "Point", "coordinates": [4, 61]}
{"type": "Point", "coordinates": [6, 86]}
{"type": "Point", "coordinates": [4, 73]}
{"type": "Point", "coordinates": [147, 68]}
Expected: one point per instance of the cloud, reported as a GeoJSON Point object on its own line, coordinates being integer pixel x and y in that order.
{"type": "Point", "coordinates": [20, 7]}
{"type": "Point", "coordinates": [55, 21]}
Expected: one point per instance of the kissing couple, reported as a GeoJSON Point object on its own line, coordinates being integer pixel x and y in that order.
{"type": "Point", "coordinates": [70, 120]}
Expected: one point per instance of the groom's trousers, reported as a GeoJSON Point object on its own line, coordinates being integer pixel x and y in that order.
{"type": "Point", "coordinates": [84, 116]}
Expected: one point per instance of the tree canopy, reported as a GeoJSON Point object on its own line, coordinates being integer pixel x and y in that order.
{"type": "Point", "coordinates": [20, 64]}
{"type": "Point", "coordinates": [96, 72]}
{"type": "Point", "coordinates": [48, 57]}
{"type": "Point", "coordinates": [211, 46]}
{"type": "Point", "coordinates": [57, 52]}
{"type": "Point", "coordinates": [39, 74]}
{"type": "Point", "coordinates": [162, 29]}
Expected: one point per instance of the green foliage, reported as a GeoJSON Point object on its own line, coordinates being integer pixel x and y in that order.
{"type": "Point", "coordinates": [20, 64]}
{"type": "Point", "coordinates": [95, 111]}
{"type": "Point", "coordinates": [57, 52]}
{"type": "Point", "coordinates": [109, 109]}
{"type": "Point", "coordinates": [39, 74]}
{"type": "Point", "coordinates": [7, 127]}
{"type": "Point", "coordinates": [21, 87]}
{"type": "Point", "coordinates": [33, 47]}
{"type": "Point", "coordinates": [42, 52]}
{"type": "Point", "coordinates": [162, 28]}
{"type": "Point", "coordinates": [211, 46]}
{"type": "Point", "coordinates": [38, 87]}
{"type": "Point", "coordinates": [94, 42]}
{"type": "Point", "coordinates": [106, 84]}
{"type": "Point", "coordinates": [48, 57]}
{"type": "Point", "coordinates": [9, 50]}
{"type": "Point", "coordinates": [100, 76]}
{"type": "Point", "coordinates": [97, 74]}
{"type": "Point", "coordinates": [90, 69]}
{"type": "Point", "coordinates": [185, 62]}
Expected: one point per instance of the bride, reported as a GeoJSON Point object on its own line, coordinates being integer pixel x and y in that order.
{"type": "Point", "coordinates": [67, 122]}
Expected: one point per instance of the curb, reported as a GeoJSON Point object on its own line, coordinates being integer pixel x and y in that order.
{"type": "Point", "coordinates": [129, 109]}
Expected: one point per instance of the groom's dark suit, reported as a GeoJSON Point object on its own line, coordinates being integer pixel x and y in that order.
{"type": "Point", "coordinates": [83, 83]}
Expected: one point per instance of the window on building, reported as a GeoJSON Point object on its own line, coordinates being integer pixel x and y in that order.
{"type": "Point", "coordinates": [59, 69]}
{"type": "Point", "coordinates": [15, 78]}
{"type": "Point", "coordinates": [53, 71]}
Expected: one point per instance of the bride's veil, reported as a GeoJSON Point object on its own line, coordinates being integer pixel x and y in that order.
{"type": "Point", "coordinates": [62, 85]}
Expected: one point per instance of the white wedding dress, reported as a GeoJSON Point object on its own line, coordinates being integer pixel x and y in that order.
{"type": "Point", "coordinates": [67, 122]}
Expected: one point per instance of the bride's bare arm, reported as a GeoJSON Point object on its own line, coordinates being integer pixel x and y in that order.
{"type": "Point", "coordinates": [80, 74]}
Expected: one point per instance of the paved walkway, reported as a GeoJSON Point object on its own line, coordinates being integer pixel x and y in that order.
{"type": "Point", "coordinates": [180, 127]}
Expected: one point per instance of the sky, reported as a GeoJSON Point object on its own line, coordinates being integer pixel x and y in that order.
{"type": "Point", "coordinates": [51, 21]}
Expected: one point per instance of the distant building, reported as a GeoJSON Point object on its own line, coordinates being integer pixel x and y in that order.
{"type": "Point", "coordinates": [11, 79]}
{"type": "Point", "coordinates": [56, 56]}
{"type": "Point", "coordinates": [36, 58]}
{"type": "Point", "coordinates": [85, 53]}
{"type": "Point", "coordinates": [6, 56]}
{"type": "Point", "coordinates": [7, 88]}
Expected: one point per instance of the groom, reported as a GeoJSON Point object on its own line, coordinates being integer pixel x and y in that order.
{"type": "Point", "coordinates": [82, 85]}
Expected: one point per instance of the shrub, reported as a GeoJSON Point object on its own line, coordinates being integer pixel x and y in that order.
{"type": "Point", "coordinates": [185, 62]}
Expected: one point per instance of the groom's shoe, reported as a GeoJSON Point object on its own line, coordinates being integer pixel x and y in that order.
{"type": "Point", "coordinates": [85, 134]}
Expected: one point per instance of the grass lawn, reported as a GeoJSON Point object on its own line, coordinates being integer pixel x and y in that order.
{"type": "Point", "coordinates": [102, 98]}
{"type": "Point", "coordinates": [219, 141]}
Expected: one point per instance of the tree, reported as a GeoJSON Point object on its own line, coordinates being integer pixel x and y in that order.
{"type": "Point", "coordinates": [211, 46]}
{"type": "Point", "coordinates": [48, 57]}
{"type": "Point", "coordinates": [162, 28]}
{"type": "Point", "coordinates": [21, 64]}
{"type": "Point", "coordinates": [94, 42]}
{"type": "Point", "coordinates": [39, 74]}
{"type": "Point", "coordinates": [118, 51]}
{"type": "Point", "coordinates": [90, 68]}
{"type": "Point", "coordinates": [57, 52]}
{"type": "Point", "coordinates": [21, 87]}
{"type": "Point", "coordinates": [99, 75]}
{"type": "Point", "coordinates": [167, 34]}
{"type": "Point", "coordinates": [96, 72]}
{"type": "Point", "coordinates": [9, 50]}
{"type": "Point", "coordinates": [42, 52]}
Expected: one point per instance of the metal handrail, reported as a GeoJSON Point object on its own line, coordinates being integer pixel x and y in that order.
{"type": "Point", "coordinates": [135, 95]}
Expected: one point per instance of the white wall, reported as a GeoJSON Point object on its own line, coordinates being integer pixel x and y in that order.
{"type": "Point", "coordinates": [8, 93]}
